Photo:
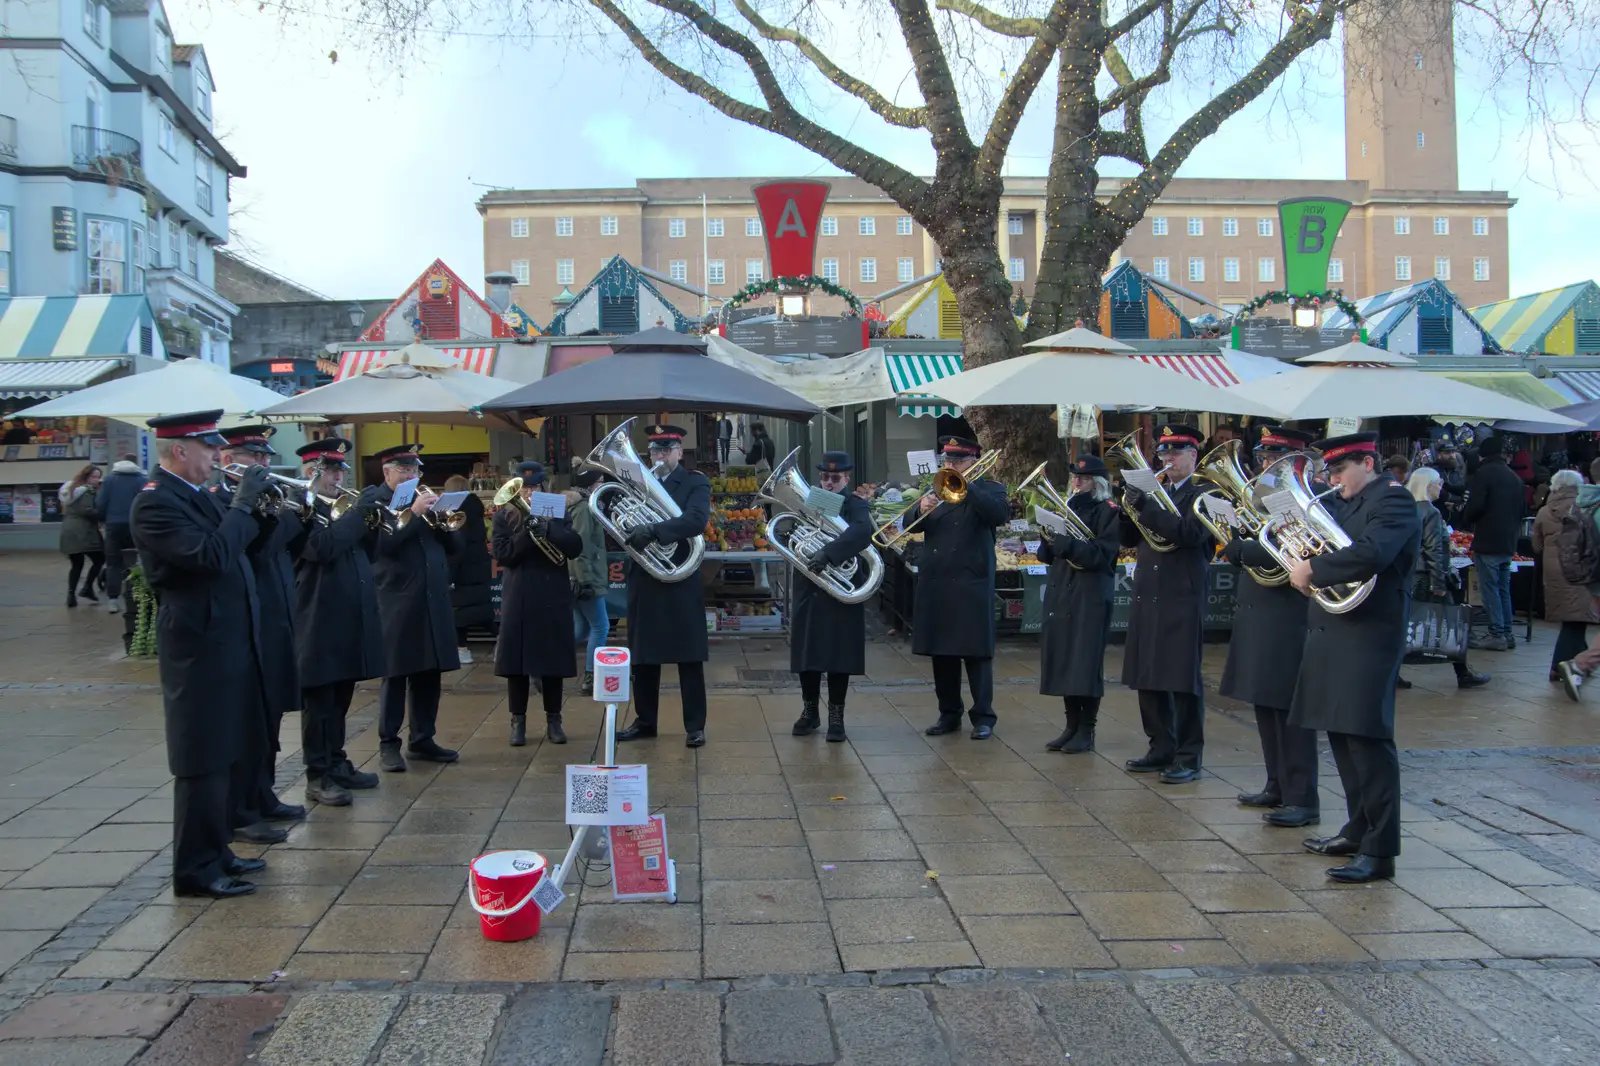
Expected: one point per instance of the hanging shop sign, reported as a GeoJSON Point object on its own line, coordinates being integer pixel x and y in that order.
{"type": "Point", "coordinates": [791, 216]}
{"type": "Point", "coordinates": [1309, 225]}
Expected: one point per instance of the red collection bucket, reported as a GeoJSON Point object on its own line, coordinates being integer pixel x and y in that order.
{"type": "Point", "coordinates": [500, 888]}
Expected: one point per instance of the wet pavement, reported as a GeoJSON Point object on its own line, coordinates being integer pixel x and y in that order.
{"type": "Point", "coordinates": [896, 897]}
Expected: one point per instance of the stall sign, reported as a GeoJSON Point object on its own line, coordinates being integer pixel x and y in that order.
{"type": "Point", "coordinates": [1310, 225]}
{"type": "Point", "coordinates": [280, 368]}
{"type": "Point", "coordinates": [791, 216]}
{"type": "Point", "coordinates": [639, 861]}
{"type": "Point", "coordinates": [26, 504]}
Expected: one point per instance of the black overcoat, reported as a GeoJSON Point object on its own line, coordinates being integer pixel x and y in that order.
{"type": "Point", "coordinates": [824, 634]}
{"type": "Point", "coordinates": [1167, 623]}
{"type": "Point", "coordinates": [1269, 634]}
{"type": "Point", "coordinates": [667, 620]}
{"type": "Point", "coordinates": [1077, 603]}
{"type": "Point", "coordinates": [412, 571]}
{"type": "Point", "coordinates": [470, 571]}
{"type": "Point", "coordinates": [337, 632]}
{"type": "Point", "coordinates": [954, 609]}
{"type": "Point", "coordinates": [535, 599]}
{"type": "Point", "coordinates": [1347, 676]}
{"type": "Point", "coordinates": [271, 555]}
{"type": "Point", "coordinates": [193, 553]}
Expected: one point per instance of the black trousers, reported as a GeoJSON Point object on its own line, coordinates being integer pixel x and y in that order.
{"type": "Point", "coordinates": [75, 567]}
{"type": "Point", "coordinates": [811, 686]}
{"type": "Point", "coordinates": [255, 770]}
{"type": "Point", "coordinates": [424, 688]}
{"type": "Point", "coordinates": [692, 686]}
{"type": "Point", "coordinates": [1370, 770]}
{"type": "Point", "coordinates": [1175, 722]}
{"type": "Point", "coordinates": [118, 540]}
{"type": "Point", "coordinates": [322, 727]}
{"type": "Point", "coordinates": [1085, 706]}
{"type": "Point", "coordinates": [980, 682]}
{"type": "Point", "coordinates": [1573, 638]}
{"type": "Point", "coordinates": [1291, 755]}
{"type": "Point", "coordinates": [201, 829]}
{"type": "Point", "coordinates": [518, 686]}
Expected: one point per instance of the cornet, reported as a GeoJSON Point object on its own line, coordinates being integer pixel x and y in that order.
{"type": "Point", "coordinates": [449, 521]}
{"type": "Point", "coordinates": [1127, 449]}
{"type": "Point", "coordinates": [510, 495]}
{"type": "Point", "coordinates": [948, 486]}
{"type": "Point", "coordinates": [283, 493]}
{"type": "Point", "coordinates": [1076, 526]}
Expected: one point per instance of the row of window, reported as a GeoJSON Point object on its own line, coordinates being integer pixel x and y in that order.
{"type": "Point", "coordinates": [94, 23]}
{"type": "Point", "coordinates": [866, 226]}
{"type": "Point", "coordinates": [116, 254]}
{"type": "Point", "coordinates": [1264, 226]}
{"type": "Point", "coordinates": [1267, 269]}
{"type": "Point", "coordinates": [754, 270]}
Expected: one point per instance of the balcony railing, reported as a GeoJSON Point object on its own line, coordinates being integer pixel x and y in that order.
{"type": "Point", "coordinates": [106, 152]}
{"type": "Point", "coordinates": [8, 138]}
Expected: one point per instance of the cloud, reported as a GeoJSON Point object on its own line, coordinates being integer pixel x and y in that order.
{"type": "Point", "coordinates": [622, 152]}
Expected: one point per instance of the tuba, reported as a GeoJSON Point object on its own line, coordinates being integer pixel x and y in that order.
{"type": "Point", "coordinates": [622, 505]}
{"type": "Point", "coordinates": [798, 531]}
{"type": "Point", "coordinates": [510, 494]}
{"type": "Point", "coordinates": [1075, 525]}
{"type": "Point", "coordinates": [1306, 531]}
{"type": "Point", "coordinates": [1221, 467]}
{"type": "Point", "coordinates": [1127, 449]}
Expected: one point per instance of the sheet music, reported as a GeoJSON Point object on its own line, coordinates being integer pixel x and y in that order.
{"type": "Point", "coordinates": [631, 472]}
{"type": "Point", "coordinates": [450, 501]}
{"type": "Point", "coordinates": [547, 505]}
{"type": "Point", "coordinates": [1220, 511]}
{"type": "Point", "coordinates": [404, 493]}
{"type": "Point", "coordinates": [829, 503]}
{"type": "Point", "coordinates": [1282, 504]}
{"type": "Point", "coordinates": [1143, 480]}
{"type": "Point", "coordinates": [1049, 520]}
{"type": "Point", "coordinates": [920, 463]}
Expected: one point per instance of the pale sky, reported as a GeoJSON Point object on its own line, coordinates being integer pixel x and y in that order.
{"type": "Point", "coordinates": [360, 175]}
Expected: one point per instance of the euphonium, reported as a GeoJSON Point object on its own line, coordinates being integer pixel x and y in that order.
{"type": "Point", "coordinates": [798, 531]}
{"type": "Point", "coordinates": [1222, 468]}
{"type": "Point", "coordinates": [510, 494]}
{"type": "Point", "coordinates": [1076, 526]}
{"type": "Point", "coordinates": [949, 486]}
{"type": "Point", "coordinates": [1127, 449]}
{"type": "Point", "coordinates": [622, 506]}
{"type": "Point", "coordinates": [1290, 538]}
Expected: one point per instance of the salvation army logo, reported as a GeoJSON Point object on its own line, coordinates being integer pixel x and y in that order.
{"type": "Point", "coordinates": [611, 656]}
{"type": "Point", "coordinates": [613, 684]}
{"type": "Point", "coordinates": [627, 808]}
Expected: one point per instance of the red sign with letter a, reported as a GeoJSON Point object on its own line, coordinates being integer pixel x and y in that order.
{"type": "Point", "coordinates": [791, 214]}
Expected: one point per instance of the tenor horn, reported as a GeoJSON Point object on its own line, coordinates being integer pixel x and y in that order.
{"type": "Point", "coordinates": [798, 531]}
{"type": "Point", "coordinates": [623, 505]}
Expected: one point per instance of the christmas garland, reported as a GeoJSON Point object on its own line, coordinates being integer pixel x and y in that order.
{"type": "Point", "coordinates": [1317, 299]}
{"type": "Point", "coordinates": [774, 285]}
{"type": "Point", "coordinates": [143, 645]}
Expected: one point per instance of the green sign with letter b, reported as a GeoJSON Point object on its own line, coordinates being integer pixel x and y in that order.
{"type": "Point", "coordinates": [1310, 226]}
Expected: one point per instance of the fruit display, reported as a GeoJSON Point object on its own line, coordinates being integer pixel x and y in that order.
{"type": "Point", "coordinates": [1460, 543]}
{"type": "Point", "coordinates": [737, 479]}
{"type": "Point", "coordinates": [737, 529]}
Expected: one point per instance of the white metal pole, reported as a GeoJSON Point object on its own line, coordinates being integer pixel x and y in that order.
{"type": "Point", "coordinates": [705, 258]}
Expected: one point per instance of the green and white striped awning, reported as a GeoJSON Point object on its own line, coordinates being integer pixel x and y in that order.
{"type": "Point", "coordinates": [911, 374]}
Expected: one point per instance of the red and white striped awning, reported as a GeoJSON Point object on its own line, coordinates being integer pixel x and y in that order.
{"type": "Point", "coordinates": [1211, 369]}
{"type": "Point", "coordinates": [474, 360]}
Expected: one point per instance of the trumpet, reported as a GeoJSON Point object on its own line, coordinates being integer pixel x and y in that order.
{"type": "Point", "coordinates": [1222, 468]}
{"type": "Point", "coordinates": [1307, 530]}
{"type": "Point", "coordinates": [948, 486]}
{"type": "Point", "coordinates": [1127, 449]}
{"type": "Point", "coordinates": [510, 494]}
{"type": "Point", "coordinates": [283, 493]}
{"type": "Point", "coordinates": [449, 521]}
{"type": "Point", "coordinates": [1076, 526]}
{"type": "Point", "coordinates": [339, 506]}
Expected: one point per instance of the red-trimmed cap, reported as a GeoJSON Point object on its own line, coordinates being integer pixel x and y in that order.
{"type": "Point", "coordinates": [191, 425]}
{"type": "Point", "coordinates": [1281, 437]}
{"type": "Point", "coordinates": [251, 438]}
{"type": "Point", "coordinates": [960, 447]}
{"type": "Point", "coordinates": [329, 451]}
{"type": "Point", "coordinates": [664, 434]}
{"type": "Point", "coordinates": [1351, 445]}
{"type": "Point", "coordinates": [1173, 435]}
{"type": "Point", "coordinates": [405, 454]}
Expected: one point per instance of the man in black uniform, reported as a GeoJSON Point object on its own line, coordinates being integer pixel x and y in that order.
{"type": "Point", "coordinates": [827, 636]}
{"type": "Point", "coordinates": [1347, 677]}
{"type": "Point", "coordinates": [1166, 626]}
{"type": "Point", "coordinates": [667, 620]}
{"type": "Point", "coordinates": [952, 619]}
{"type": "Point", "coordinates": [339, 639]}
{"type": "Point", "coordinates": [193, 552]}
{"type": "Point", "coordinates": [1269, 635]}
{"type": "Point", "coordinates": [271, 556]}
{"type": "Point", "coordinates": [412, 572]}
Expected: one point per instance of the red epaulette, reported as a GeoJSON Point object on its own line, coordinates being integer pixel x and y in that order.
{"type": "Point", "coordinates": [148, 485]}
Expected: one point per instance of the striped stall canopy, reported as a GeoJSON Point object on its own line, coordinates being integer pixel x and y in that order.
{"type": "Point", "coordinates": [75, 327]}
{"type": "Point", "coordinates": [1210, 369]}
{"type": "Point", "coordinates": [910, 374]}
{"type": "Point", "coordinates": [46, 379]}
{"type": "Point", "coordinates": [474, 360]}
{"type": "Point", "coordinates": [1586, 383]}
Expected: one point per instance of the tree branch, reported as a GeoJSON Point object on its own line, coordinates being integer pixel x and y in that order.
{"type": "Point", "coordinates": [946, 125]}
{"type": "Point", "coordinates": [1015, 99]}
{"type": "Point", "coordinates": [993, 21]}
{"type": "Point", "coordinates": [1120, 28]}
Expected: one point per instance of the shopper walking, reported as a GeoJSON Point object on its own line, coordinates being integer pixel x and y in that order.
{"type": "Point", "coordinates": [590, 574]}
{"type": "Point", "coordinates": [1494, 509]}
{"type": "Point", "coordinates": [1433, 579]}
{"type": "Point", "coordinates": [1564, 602]}
{"type": "Point", "coordinates": [114, 502]}
{"type": "Point", "coordinates": [80, 532]}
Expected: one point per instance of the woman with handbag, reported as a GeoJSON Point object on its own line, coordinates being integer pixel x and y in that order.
{"type": "Point", "coordinates": [1434, 576]}
{"type": "Point", "coordinates": [590, 574]}
{"type": "Point", "coordinates": [1564, 602]}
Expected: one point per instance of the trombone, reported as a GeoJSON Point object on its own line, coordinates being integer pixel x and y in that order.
{"type": "Point", "coordinates": [510, 494]}
{"type": "Point", "coordinates": [1076, 526]}
{"type": "Point", "coordinates": [948, 485]}
{"type": "Point", "coordinates": [1127, 449]}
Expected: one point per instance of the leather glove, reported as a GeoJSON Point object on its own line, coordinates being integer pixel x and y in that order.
{"type": "Point", "coordinates": [1132, 498]}
{"type": "Point", "coordinates": [817, 563]}
{"type": "Point", "coordinates": [369, 501]}
{"type": "Point", "coordinates": [642, 537]}
{"type": "Point", "coordinates": [539, 527]}
{"type": "Point", "coordinates": [250, 488]}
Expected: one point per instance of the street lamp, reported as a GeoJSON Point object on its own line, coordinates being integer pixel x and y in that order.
{"type": "Point", "coordinates": [358, 315]}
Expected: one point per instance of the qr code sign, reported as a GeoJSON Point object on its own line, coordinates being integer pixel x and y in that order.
{"type": "Point", "coordinates": [652, 862]}
{"type": "Point", "coordinates": [590, 793]}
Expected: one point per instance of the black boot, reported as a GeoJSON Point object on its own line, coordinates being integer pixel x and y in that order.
{"type": "Point", "coordinates": [1083, 738]}
{"type": "Point", "coordinates": [808, 721]}
{"type": "Point", "coordinates": [1060, 743]}
{"type": "Point", "coordinates": [72, 597]}
{"type": "Point", "coordinates": [87, 592]}
{"type": "Point", "coordinates": [836, 723]}
{"type": "Point", "coordinates": [552, 729]}
{"type": "Point", "coordinates": [519, 730]}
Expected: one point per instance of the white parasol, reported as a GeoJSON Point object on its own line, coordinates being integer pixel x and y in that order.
{"type": "Point", "coordinates": [185, 385]}
{"type": "Point", "coordinates": [416, 384]}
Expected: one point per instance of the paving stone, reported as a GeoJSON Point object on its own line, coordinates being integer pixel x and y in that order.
{"type": "Point", "coordinates": [1100, 1023]}
{"type": "Point", "coordinates": [103, 1014]}
{"type": "Point", "coordinates": [781, 1026]}
{"type": "Point", "coordinates": [1313, 1021]}
{"type": "Point", "coordinates": [235, 953]}
{"type": "Point", "coordinates": [637, 927]}
{"type": "Point", "coordinates": [83, 869]}
{"type": "Point", "coordinates": [1154, 954]}
{"type": "Point", "coordinates": [1579, 990]}
{"type": "Point", "coordinates": [1378, 910]}
{"type": "Point", "coordinates": [1417, 1017]}
{"type": "Point", "coordinates": [41, 908]}
{"type": "Point", "coordinates": [465, 955]}
{"type": "Point", "coordinates": [886, 1027]}
{"type": "Point", "coordinates": [1014, 894]}
{"type": "Point", "coordinates": [998, 1026]}
{"type": "Point", "coordinates": [753, 950]}
{"type": "Point", "coordinates": [1141, 915]}
{"type": "Point", "coordinates": [553, 1027]}
{"type": "Point", "coordinates": [885, 921]}
{"type": "Point", "coordinates": [214, 1031]}
{"type": "Point", "coordinates": [364, 929]}
{"type": "Point", "coordinates": [970, 860]}
{"type": "Point", "coordinates": [82, 1052]}
{"type": "Point", "coordinates": [1233, 892]}
{"type": "Point", "coordinates": [1531, 1021]}
{"type": "Point", "coordinates": [668, 1029]}
{"type": "Point", "coordinates": [1514, 869]}
{"type": "Point", "coordinates": [629, 965]}
{"type": "Point", "coordinates": [1210, 1023]}
{"type": "Point", "coordinates": [1527, 932]}
{"type": "Point", "coordinates": [747, 902]}
{"type": "Point", "coordinates": [1582, 905]}
{"type": "Point", "coordinates": [1034, 941]}
{"type": "Point", "coordinates": [330, 1029]}
{"type": "Point", "coordinates": [1104, 873]}
{"type": "Point", "coordinates": [865, 880]}
{"type": "Point", "coordinates": [918, 954]}
{"type": "Point", "coordinates": [1287, 938]}
{"type": "Point", "coordinates": [755, 864]}
{"type": "Point", "coordinates": [442, 1030]}
{"type": "Point", "coordinates": [1459, 888]}
{"type": "Point", "coordinates": [353, 966]}
{"type": "Point", "coordinates": [853, 845]}
{"type": "Point", "coordinates": [843, 816]}
{"type": "Point", "coordinates": [1390, 946]}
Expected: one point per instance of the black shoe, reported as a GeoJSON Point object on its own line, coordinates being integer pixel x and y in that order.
{"type": "Point", "coordinates": [328, 792]}
{"type": "Point", "coordinates": [1179, 775]}
{"type": "Point", "coordinates": [982, 732]}
{"type": "Point", "coordinates": [349, 777]}
{"type": "Point", "coordinates": [428, 751]}
{"type": "Point", "coordinates": [945, 724]}
{"type": "Point", "coordinates": [637, 731]}
{"type": "Point", "coordinates": [552, 729]}
{"type": "Point", "coordinates": [221, 888]}
{"type": "Point", "coordinates": [836, 723]}
{"type": "Point", "coordinates": [1060, 742]}
{"type": "Point", "coordinates": [1471, 679]}
{"type": "Point", "coordinates": [1259, 799]}
{"type": "Point", "coordinates": [72, 598]}
{"type": "Point", "coordinates": [1401, 683]}
{"type": "Point", "coordinates": [1363, 868]}
{"type": "Point", "coordinates": [1491, 643]}
{"type": "Point", "coordinates": [809, 721]}
{"type": "Point", "coordinates": [239, 867]}
{"type": "Point", "coordinates": [588, 681]}
{"type": "Point", "coordinates": [1332, 845]}
{"type": "Point", "coordinates": [260, 833]}
{"type": "Point", "coordinates": [1147, 764]}
{"type": "Point", "coordinates": [1293, 817]}
{"type": "Point", "coordinates": [285, 812]}
{"type": "Point", "coordinates": [88, 593]}
{"type": "Point", "coordinates": [696, 738]}
{"type": "Point", "coordinates": [391, 761]}
{"type": "Point", "coordinates": [519, 730]}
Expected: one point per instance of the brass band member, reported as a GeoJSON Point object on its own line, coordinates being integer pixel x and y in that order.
{"type": "Point", "coordinates": [953, 617]}
{"type": "Point", "coordinates": [193, 551]}
{"type": "Point", "coordinates": [1166, 626]}
{"type": "Point", "coordinates": [412, 570]}
{"type": "Point", "coordinates": [667, 620]}
{"type": "Point", "coordinates": [825, 635]}
{"type": "Point", "coordinates": [1269, 635]}
{"type": "Point", "coordinates": [1347, 677]}
{"type": "Point", "coordinates": [1077, 606]}
{"type": "Point", "coordinates": [535, 608]}
{"type": "Point", "coordinates": [272, 557]}
{"type": "Point", "coordinates": [337, 631]}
